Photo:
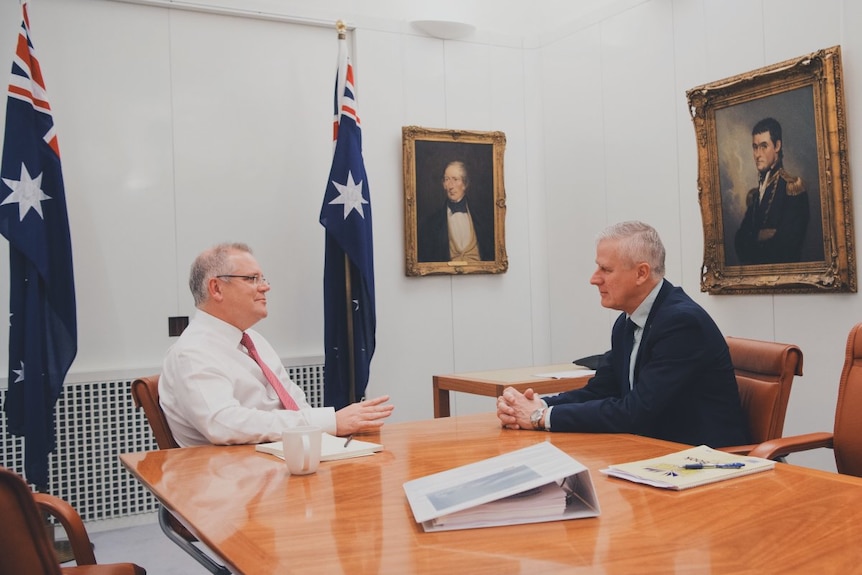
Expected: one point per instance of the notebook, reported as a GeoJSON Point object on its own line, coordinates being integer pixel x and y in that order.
{"type": "Point", "coordinates": [331, 448]}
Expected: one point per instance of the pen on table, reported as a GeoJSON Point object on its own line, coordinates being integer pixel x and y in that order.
{"type": "Point", "coordinates": [349, 439]}
{"type": "Point", "coordinates": [735, 465]}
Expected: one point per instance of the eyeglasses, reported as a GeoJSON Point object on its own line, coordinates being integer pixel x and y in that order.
{"type": "Point", "coordinates": [254, 280]}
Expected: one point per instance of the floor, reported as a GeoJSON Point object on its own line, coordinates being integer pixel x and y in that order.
{"type": "Point", "coordinates": [145, 545]}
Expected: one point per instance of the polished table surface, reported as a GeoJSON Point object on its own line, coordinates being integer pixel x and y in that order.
{"type": "Point", "coordinates": [352, 516]}
{"type": "Point", "coordinates": [492, 383]}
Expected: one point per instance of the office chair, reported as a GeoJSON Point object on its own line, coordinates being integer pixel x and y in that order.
{"type": "Point", "coordinates": [26, 546]}
{"type": "Point", "coordinates": [846, 437]}
{"type": "Point", "coordinates": [764, 374]}
{"type": "Point", "coordinates": [145, 394]}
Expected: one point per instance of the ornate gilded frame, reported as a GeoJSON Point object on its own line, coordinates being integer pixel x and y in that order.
{"type": "Point", "coordinates": [806, 96]}
{"type": "Point", "coordinates": [426, 153]}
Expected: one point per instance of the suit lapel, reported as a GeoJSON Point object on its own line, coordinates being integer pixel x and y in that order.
{"type": "Point", "coordinates": [659, 300]}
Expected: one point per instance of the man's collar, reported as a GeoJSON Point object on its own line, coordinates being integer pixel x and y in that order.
{"type": "Point", "coordinates": [641, 314]}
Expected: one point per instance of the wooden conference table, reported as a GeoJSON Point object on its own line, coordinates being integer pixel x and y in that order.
{"type": "Point", "coordinates": [492, 383]}
{"type": "Point", "coordinates": [352, 516]}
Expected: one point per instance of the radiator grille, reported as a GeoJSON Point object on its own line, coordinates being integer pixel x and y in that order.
{"type": "Point", "coordinates": [96, 422]}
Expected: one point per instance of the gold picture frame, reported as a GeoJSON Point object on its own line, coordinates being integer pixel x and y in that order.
{"type": "Point", "coordinates": [786, 228]}
{"type": "Point", "coordinates": [470, 163]}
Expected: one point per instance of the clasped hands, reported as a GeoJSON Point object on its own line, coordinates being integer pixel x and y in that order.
{"type": "Point", "coordinates": [515, 408]}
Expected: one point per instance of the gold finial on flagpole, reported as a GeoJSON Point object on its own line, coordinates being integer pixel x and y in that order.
{"type": "Point", "coordinates": [342, 29]}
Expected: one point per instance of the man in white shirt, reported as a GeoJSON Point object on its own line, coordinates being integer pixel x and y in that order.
{"type": "Point", "coordinates": [213, 391]}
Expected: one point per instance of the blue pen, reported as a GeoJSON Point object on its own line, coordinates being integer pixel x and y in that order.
{"type": "Point", "coordinates": [735, 465]}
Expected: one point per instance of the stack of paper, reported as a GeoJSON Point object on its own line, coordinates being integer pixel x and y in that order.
{"type": "Point", "coordinates": [331, 448]}
{"type": "Point", "coordinates": [548, 500]}
{"type": "Point", "coordinates": [689, 468]}
{"type": "Point", "coordinates": [537, 483]}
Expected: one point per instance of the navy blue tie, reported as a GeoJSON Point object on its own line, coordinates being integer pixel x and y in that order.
{"type": "Point", "coordinates": [628, 345]}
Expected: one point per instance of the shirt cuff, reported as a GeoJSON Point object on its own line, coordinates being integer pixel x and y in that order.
{"type": "Point", "coordinates": [323, 417]}
{"type": "Point", "coordinates": [547, 415]}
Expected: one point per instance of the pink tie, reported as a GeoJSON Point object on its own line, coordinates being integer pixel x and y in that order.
{"type": "Point", "coordinates": [273, 380]}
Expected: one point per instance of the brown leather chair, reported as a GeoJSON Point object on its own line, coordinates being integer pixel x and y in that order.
{"type": "Point", "coordinates": [764, 374]}
{"type": "Point", "coordinates": [846, 437]}
{"type": "Point", "coordinates": [145, 394]}
{"type": "Point", "coordinates": [26, 547]}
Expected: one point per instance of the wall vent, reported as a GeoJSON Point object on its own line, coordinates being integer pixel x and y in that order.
{"type": "Point", "coordinates": [96, 422]}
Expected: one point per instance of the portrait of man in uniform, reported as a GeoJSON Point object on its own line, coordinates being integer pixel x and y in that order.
{"type": "Point", "coordinates": [773, 181]}
{"type": "Point", "coordinates": [770, 179]}
{"type": "Point", "coordinates": [776, 215]}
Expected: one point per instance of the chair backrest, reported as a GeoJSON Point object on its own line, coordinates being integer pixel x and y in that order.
{"type": "Point", "coordinates": [145, 393]}
{"type": "Point", "coordinates": [764, 374]}
{"type": "Point", "coordinates": [25, 546]}
{"type": "Point", "coordinates": [847, 435]}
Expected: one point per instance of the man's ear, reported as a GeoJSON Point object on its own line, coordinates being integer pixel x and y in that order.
{"type": "Point", "coordinates": [643, 272]}
{"type": "Point", "coordinates": [214, 290]}
{"type": "Point", "coordinates": [777, 146]}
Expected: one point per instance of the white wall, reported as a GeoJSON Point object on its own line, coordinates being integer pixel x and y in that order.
{"type": "Point", "coordinates": [179, 129]}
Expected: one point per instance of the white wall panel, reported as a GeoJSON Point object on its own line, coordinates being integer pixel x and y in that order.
{"type": "Point", "coordinates": [792, 28]}
{"type": "Point", "coordinates": [575, 173]}
{"type": "Point", "coordinates": [640, 143]}
{"type": "Point", "coordinates": [252, 135]}
{"type": "Point", "coordinates": [689, 58]}
{"type": "Point", "coordinates": [537, 202]}
{"type": "Point", "coordinates": [109, 90]}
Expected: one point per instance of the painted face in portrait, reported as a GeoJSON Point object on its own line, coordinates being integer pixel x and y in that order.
{"type": "Point", "coordinates": [455, 182]}
{"type": "Point", "coordinates": [765, 152]}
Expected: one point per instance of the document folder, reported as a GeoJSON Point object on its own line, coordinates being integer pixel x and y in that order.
{"type": "Point", "coordinates": [531, 485]}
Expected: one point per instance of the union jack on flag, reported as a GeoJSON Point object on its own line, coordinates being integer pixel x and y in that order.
{"type": "Point", "coordinates": [33, 217]}
{"type": "Point", "coordinates": [348, 279]}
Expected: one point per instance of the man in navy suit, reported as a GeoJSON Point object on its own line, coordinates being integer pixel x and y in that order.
{"type": "Point", "coordinates": [669, 377]}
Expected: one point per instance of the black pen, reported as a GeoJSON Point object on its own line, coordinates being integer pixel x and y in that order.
{"type": "Point", "coordinates": [735, 465]}
{"type": "Point", "coordinates": [349, 439]}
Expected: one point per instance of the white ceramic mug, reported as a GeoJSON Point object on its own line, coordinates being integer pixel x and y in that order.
{"type": "Point", "coordinates": [302, 449]}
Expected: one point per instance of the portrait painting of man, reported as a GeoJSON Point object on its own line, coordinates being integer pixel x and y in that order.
{"type": "Point", "coordinates": [773, 179]}
{"type": "Point", "coordinates": [454, 201]}
{"type": "Point", "coordinates": [769, 177]}
{"type": "Point", "coordinates": [454, 219]}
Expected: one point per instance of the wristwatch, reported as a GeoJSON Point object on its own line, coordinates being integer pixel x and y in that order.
{"type": "Point", "coordinates": [536, 418]}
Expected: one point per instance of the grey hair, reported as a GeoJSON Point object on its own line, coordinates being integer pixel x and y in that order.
{"type": "Point", "coordinates": [639, 242]}
{"type": "Point", "coordinates": [209, 264]}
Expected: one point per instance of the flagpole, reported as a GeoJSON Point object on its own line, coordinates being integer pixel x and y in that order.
{"type": "Point", "coordinates": [348, 303]}
{"type": "Point", "coordinates": [349, 309]}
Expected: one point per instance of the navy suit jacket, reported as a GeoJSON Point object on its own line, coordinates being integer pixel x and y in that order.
{"type": "Point", "coordinates": [685, 388]}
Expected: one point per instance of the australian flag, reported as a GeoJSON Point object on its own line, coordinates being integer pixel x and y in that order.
{"type": "Point", "coordinates": [33, 217]}
{"type": "Point", "coordinates": [350, 318]}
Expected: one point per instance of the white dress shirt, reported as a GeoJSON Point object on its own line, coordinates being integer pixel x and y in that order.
{"type": "Point", "coordinates": [212, 391]}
